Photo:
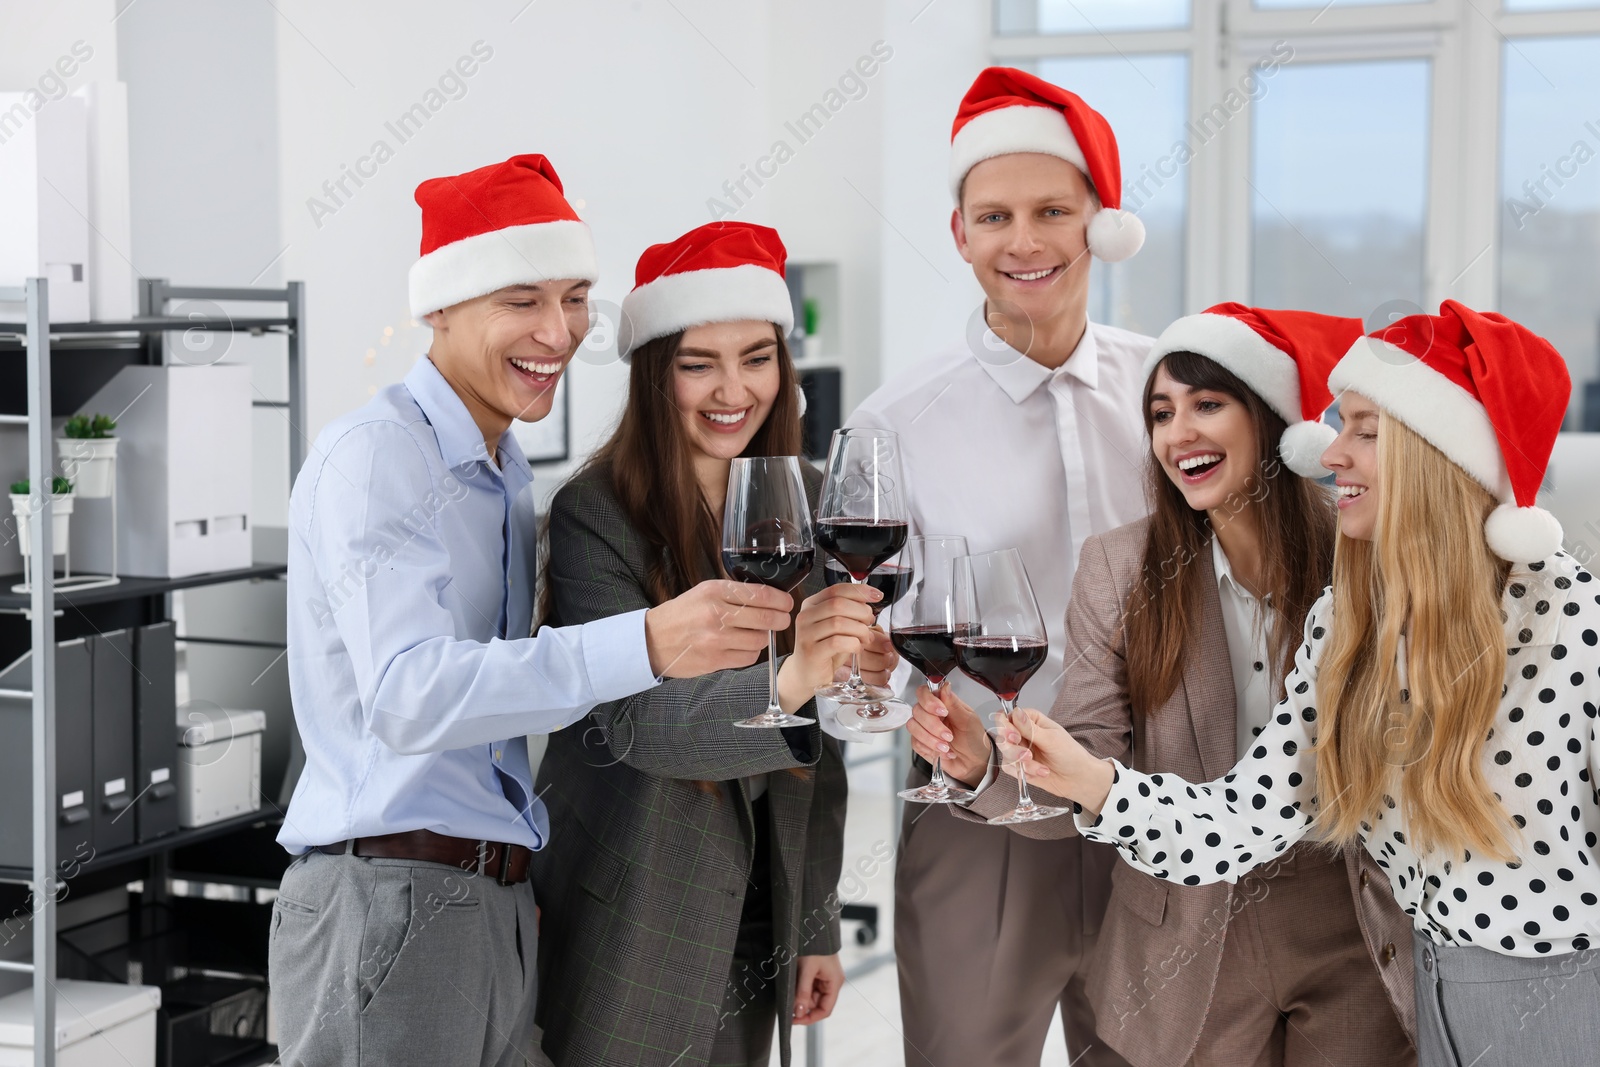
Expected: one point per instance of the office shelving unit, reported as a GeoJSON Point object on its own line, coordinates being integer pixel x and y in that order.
{"type": "Point", "coordinates": [47, 370]}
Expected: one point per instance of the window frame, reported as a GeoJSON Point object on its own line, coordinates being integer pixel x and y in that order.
{"type": "Point", "coordinates": [1462, 39]}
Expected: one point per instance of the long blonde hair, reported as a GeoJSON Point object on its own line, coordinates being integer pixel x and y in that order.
{"type": "Point", "coordinates": [1430, 573]}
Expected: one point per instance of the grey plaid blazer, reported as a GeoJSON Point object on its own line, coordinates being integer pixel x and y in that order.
{"type": "Point", "coordinates": [643, 881]}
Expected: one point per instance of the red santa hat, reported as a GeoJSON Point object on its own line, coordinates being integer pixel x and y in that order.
{"type": "Point", "coordinates": [1009, 110]}
{"type": "Point", "coordinates": [1284, 356]}
{"type": "Point", "coordinates": [1488, 393]}
{"type": "Point", "coordinates": [719, 272]}
{"type": "Point", "coordinates": [505, 224]}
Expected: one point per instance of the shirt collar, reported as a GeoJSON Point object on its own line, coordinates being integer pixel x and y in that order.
{"type": "Point", "coordinates": [460, 441]}
{"type": "Point", "coordinates": [1224, 570]}
{"type": "Point", "coordinates": [1020, 377]}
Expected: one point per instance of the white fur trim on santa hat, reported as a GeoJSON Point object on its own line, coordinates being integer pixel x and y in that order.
{"type": "Point", "coordinates": [1012, 129]}
{"type": "Point", "coordinates": [1302, 445]}
{"type": "Point", "coordinates": [517, 255]}
{"type": "Point", "coordinates": [1267, 370]}
{"type": "Point", "coordinates": [1115, 235]}
{"type": "Point", "coordinates": [1445, 414]}
{"type": "Point", "coordinates": [1522, 535]}
{"type": "Point", "coordinates": [675, 302]}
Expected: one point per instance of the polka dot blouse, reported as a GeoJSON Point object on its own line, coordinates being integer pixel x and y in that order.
{"type": "Point", "coordinates": [1541, 758]}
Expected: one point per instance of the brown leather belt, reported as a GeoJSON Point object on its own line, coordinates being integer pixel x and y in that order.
{"type": "Point", "coordinates": [508, 863]}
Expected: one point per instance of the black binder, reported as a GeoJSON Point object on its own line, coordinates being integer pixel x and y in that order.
{"type": "Point", "coordinates": [155, 711]}
{"type": "Point", "coordinates": [114, 787]}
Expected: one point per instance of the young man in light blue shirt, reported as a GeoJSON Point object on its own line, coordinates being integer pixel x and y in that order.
{"type": "Point", "coordinates": [405, 930]}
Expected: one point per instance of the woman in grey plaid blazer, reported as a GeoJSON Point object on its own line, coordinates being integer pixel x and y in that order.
{"type": "Point", "coordinates": [688, 891]}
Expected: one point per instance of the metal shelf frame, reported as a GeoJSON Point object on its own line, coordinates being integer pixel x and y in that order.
{"type": "Point", "coordinates": [151, 325]}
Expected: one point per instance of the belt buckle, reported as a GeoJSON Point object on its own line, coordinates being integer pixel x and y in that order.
{"type": "Point", "coordinates": [503, 875]}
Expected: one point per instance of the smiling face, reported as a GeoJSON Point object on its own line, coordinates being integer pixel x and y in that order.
{"type": "Point", "coordinates": [1023, 225]}
{"type": "Point", "coordinates": [504, 353]}
{"type": "Point", "coordinates": [1205, 441]}
{"type": "Point", "coordinates": [725, 378]}
{"type": "Point", "coordinates": [1353, 458]}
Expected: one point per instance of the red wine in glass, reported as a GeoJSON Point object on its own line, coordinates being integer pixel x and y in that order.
{"type": "Point", "coordinates": [767, 539]}
{"type": "Point", "coordinates": [767, 566]}
{"type": "Point", "coordinates": [862, 520]}
{"type": "Point", "coordinates": [930, 649]}
{"type": "Point", "coordinates": [1005, 644]}
{"type": "Point", "coordinates": [890, 579]}
{"type": "Point", "coordinates": [861, 545]}
{"type": "Point", "coordinates": [1001, 664]}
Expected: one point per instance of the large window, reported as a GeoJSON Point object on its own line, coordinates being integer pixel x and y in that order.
{"type": "Point", "coordinates": [1550, 207]}
{"type": "Point", "coordinates": [1145, 98]}
{"type": "Point", "coordinates": [1353, 157]}
{"type": "Point", "coordinates": [1339, 186]}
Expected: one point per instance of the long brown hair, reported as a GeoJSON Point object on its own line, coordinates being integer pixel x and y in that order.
{"type": "Point", "coordinates": [1298, 521]}
{"type": "Point", "coordinates": [1428, 572]}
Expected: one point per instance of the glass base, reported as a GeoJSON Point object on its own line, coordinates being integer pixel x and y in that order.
{"type": "Point", "coordinates": [773, 720]}
{"type": "Point", "coordinates": [876, 718]}
{"type": "Point", "coordinates": [936, 794]}
{"type": "Point", "coordinates": [1028, 813]}
{"type": "Point", "coordinates": [865, 693]}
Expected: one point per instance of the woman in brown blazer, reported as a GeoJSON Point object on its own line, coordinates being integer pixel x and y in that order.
{"type": "Point", "coordinates": [1181, 629]}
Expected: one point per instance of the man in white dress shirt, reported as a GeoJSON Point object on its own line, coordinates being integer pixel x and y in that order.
{"type": "Point", "coordinates": [1028, 437]}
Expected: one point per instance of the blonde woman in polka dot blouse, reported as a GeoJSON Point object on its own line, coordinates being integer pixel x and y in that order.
{"type": "Point", "coordinates": [1442, 709]}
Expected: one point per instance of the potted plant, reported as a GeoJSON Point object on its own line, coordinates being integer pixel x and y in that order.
{"type": "Point", "coordinates": [88, 453]}
{"type": "Point", "coordinates": [812, 345]}
{"type": "Point", "coordinates": [22, 505]}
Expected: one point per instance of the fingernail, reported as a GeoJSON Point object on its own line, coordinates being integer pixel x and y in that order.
{"type": "Point", "coordinates": [943, 747]}
{"type": "Point", "coordinates": [876, 594]}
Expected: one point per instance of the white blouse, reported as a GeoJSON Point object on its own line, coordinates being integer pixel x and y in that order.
{"type": "Point", "coordinates": [1541, 758]}
{"type": "Point", "coordinates": [1246, 622]}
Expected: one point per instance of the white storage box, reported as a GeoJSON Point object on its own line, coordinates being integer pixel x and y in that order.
{"type": "Point", "coordinates": [44, 184]}
{"type": "Point", "coordinates": [97, 1023]}
{"type": "Point", "coordinates": [219, 764]}
{"type": "Point", "coordinates": [183, 472]}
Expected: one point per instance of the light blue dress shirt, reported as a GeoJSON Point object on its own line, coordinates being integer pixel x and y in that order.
{"type": "Point", "coordinates": [411, 583]}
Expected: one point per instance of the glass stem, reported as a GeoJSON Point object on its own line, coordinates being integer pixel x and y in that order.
{"type": "Point", "coordinates": [855, 658]}
{"type": "Point", "coordinates": [937, 780]}
{"type": "Point", "coordinates": [773, 707]}
{"type": "Point", "coordinates": [1024, 801]}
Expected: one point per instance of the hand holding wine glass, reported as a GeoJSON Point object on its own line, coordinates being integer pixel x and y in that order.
{"type": "Point", "coordinates": [862, 520]}
{"type": "Point", "coordinates": [891, 579]}
{"type": "Point", "coordinates": [925, 629]}
{"type": "Point", "coordinates": [1043, 752]}
{"type": "Point", "coordinates": [1004, 642]}
{"type": "Point", "coordinates": [766, 539]}
{"type": "Point", "coordinates": [948, 733]}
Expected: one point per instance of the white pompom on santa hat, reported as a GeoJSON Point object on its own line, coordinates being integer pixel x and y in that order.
{"type": "Point", "coordinates": [501, 225]}
{"type": "Point", "coordinates": [719, 272]}
{"type": "Point", "coordinates": [1488, 393]}
{"type": "Point", "coordinates": [1008, 110]}
{"type": "Point", "coordinates": [1284, 356]}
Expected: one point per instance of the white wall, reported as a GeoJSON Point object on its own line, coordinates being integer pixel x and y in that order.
{"type": "Point", "coordinates": [642, 115]}
{"type": "Point", "coordinates": [929, 293]}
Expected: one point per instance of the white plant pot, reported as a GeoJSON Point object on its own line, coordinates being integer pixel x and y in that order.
{"type": "Point", "coordinates": [89, 463]}
{"type": "Point", "coordinates": [811, 347]}
{"type": "Point", "coordinates": [60, 511]}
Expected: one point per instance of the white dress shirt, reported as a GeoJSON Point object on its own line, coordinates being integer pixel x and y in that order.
{"type": "Point", "coordinates": [414, 680]}
{"type": "Point", "coordinates": [1246, 621]}
{"type": "Point", "coordinates": [1541, 759]}
{"type": "Point", "coordinates": [1011, 454]}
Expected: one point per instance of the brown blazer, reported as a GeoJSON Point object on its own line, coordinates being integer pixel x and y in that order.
{"type": "Point", "coordinates": [1191, 735]}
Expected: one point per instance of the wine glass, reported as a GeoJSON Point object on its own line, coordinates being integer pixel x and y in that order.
{"type": "Point", "coordinates": [766, 539]}
{"type": "Point", "coordinates": [1004, 642]}
{"type": "Point", "coordinates": [922, 624]}
{"type": "Point", "coordinates": [861, 522]}
{"type": "Point", "coordinates": [891, 579]}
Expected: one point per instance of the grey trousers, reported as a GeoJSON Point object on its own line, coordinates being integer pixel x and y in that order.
{"type": "Point", "coordinates": [395, 962]}
{"type": "Point", "coordinates": [1477, 1008]}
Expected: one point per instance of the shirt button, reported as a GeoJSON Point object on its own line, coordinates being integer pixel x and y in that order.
{"type": "Point", "coordinates": [1258, 665]}
{"type": "Point", "coordinates": [497, 753]}
{"type": "Point", "coordinates": [1388, 952]}
{"type": "Point", "coordinates": [1427, 959]}
{"type": "Point", "coordinates": [1363, 879]}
